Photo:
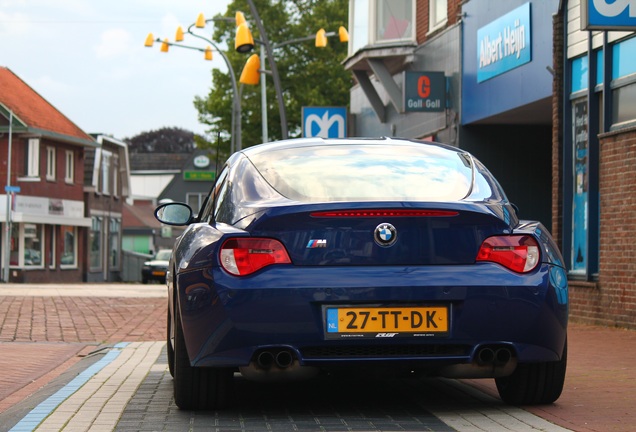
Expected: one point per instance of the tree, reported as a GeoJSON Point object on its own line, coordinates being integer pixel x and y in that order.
{"type": "Point", "coordinates": [310, 76]}
{"type": "Point", "coordinates": [164, 140]}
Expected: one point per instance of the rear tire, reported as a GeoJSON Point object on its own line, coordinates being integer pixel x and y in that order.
{"type": "Point", "coordinates": [534, 383]}
{"type": "Point", "coordinates": [197, 388]}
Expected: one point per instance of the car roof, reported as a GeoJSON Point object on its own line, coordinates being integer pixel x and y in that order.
{"type": "Point", "coordinates": [317, 141]}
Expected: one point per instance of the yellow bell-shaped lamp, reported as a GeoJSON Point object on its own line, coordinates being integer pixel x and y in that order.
{"type": "Point", "coordinates": [239, 17]}
{"type": "Point", "coordinates": [150, 40]}
{"type": "Point", "coordinates": [179, 36]}
{"type": "Point", "coordinates": [343, 34]}
{"type": "Point", "coordinates": [251, 71]}
{"type": "Point", "coordinates": [200, 22]}
{"type": "Point", "coordinates": [165, 45]}
{"type": "Point", "coordinates": [321, 38]}
{"type": "Point", "coordinates": [208, 53]}
{"type": "Point", "coordinates": [244, 41]}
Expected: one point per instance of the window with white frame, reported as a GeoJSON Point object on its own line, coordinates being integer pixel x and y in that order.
{"type": "Point", "coordinates": [437, 14]}
{"type": "Point", "coordinates": [106, 161]}
{"type": "Point", "coordinates": [380, 21]}
{"type": "Point", "coordinates": [33, 158]}
{"type": "Point", "coordinates": [195, 200]}
{"type": "Point", "coordinates": [394, 20]}
{"type": "Point", "coordinates": [50, 163]}
{"type": "Point", "coordinates": [69, 247]}
{"type": "Point", "coordinates": [115, 160]}
{"type": "Point", "coordinates": [69, 175]}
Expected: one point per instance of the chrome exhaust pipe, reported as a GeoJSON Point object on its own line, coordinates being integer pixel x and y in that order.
{"type": "Point", "coordinates": [485, 356]}
{"type": "Point", "coordinates": [502, 356]}
{"type": "Point", "coordinates": [284, 359]}
{"type": "Point", "coordinates": [265, 360]}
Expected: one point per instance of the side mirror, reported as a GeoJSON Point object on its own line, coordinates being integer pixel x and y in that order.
{"type": "Point", "coordinates": [178, 214]}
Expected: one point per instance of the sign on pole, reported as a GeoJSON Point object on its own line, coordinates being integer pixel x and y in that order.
{"type": "Point", "coordinates": [324, 122]}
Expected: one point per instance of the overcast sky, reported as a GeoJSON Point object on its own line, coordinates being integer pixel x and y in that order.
{"type": "Point", "coordinates": [87, 58]}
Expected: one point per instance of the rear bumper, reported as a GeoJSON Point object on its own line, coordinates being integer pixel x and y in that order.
{"type": "Point", "coordinates": [228, 321]}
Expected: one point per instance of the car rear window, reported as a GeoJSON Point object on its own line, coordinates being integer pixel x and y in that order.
{"type": "Point", "coordinates": [367, 173]}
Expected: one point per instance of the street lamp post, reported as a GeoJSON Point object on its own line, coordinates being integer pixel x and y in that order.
{"type": "Point", "coordinates": [7, 234]}
{"type": "Point", "coordinates": [244, 42]}
{"type": "Point", "coordinates": [236, 135]}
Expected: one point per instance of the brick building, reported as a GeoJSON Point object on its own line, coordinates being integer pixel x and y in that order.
{"type": "Point", "coordinates": [47, 235]}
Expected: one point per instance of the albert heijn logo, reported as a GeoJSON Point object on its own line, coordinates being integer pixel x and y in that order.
{"type": "Point", "coordinates": [608, 14]}
{"type": "Point", "coordinates": [424, 91]}
{"type": "Point", "coordinates": [325, 122]}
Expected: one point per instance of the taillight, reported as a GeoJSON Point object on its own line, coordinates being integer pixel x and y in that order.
{"type": "Point", "coordinates": [384, 213]}
{"type": "Point", "coordinates": [244, 256]}
{"type": "Point", "coordinates": [519, 253]}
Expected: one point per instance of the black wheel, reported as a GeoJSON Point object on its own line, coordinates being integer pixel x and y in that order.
{"type": "Point", "coordinates": [534, 383]}
{"type": "Point", "coordinates": [196, 387]}
{"type": "Point", "coordinates": [169, 344]}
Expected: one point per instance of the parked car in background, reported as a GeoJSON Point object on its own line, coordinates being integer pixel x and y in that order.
{"type": "Point", "coordinates": [155, 269]}
{"type": "Point", "coordinates": [315, 256]}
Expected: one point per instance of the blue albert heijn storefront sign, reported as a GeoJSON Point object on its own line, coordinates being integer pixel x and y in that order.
{"type": "Point", "coordinates": [324, 122]}
{"type": "Point", "coordinates": [608, 14]}
{"type": "Point", "coordinates": [504, 44]}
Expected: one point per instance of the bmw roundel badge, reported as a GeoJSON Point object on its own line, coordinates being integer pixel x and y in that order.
{"type": "Point", "coordinates": [385, 235]}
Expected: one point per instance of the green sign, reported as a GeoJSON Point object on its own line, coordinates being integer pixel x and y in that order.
{"type": "Point", "coordinates": [199, 175]}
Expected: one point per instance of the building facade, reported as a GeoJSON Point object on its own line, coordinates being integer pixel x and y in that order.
{"type": "Point", "coordinates": [594, 164]}
{"type": "Point", "coordinates": [106, 188]}
{"type": "Point", "coordinates": [44, 226]}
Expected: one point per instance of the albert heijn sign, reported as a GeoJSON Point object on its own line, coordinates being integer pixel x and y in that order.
{"type": "Point", "coordinates": [608, 14]}
{"type": "Point", "coordinates": [424, 91]}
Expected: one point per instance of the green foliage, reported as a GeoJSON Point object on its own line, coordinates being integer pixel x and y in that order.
{"type": "Point", "coordinates": [309, 76]}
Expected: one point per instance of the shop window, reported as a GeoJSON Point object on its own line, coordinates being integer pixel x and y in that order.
{"type": "Point", "coordinates": [50, 245]}
{"type": "Point", "coordinates": [33, 245]}
{"type": "Point", "coordinates": [438, 14]}
{"type": "Point", "coordinates": [380, 21]}
{"type": "Point", "coordinates": [14, 248]}
{"type": "Point", "coordinates": [69, 247]}
{"type": "Point", "coordinates": [113, 241]}
{"type": "Point", "coordinates": [580, 198]}
{"type": "Point", "coordinates": [95, 243]}
{"type": "Point", "coordinates": [50, 163]}
{"type": "Point", "coordinates": [69, 175]}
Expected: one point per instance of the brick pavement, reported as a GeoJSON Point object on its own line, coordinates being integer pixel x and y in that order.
{"type": "Point", "coordinates": [44, 332]}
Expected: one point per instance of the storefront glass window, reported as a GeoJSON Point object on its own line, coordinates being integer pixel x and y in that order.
{"type": "Point", "coordinates": [95, 243]}
{"type": "Point", "coordinates": [33, 245]}
{"type": "Point", "coordinates": [14, 257]}
{"type": "Point", "coordinates": [50, 245]}
{"type": "Point", "coordinates": [579, 251]}
{"type": "Point", "coordinates": [69, 251]}
{"type": "Point", "coordinates": [113, 241]}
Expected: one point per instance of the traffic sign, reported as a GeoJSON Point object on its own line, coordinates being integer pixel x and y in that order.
{"type": "Point", "coordinates": [10, 189]}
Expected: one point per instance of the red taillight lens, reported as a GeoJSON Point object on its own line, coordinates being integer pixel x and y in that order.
{"type": "Point", "coordinates": [244, 256]}
{"type": "Point", "coordinates": [518, 253]}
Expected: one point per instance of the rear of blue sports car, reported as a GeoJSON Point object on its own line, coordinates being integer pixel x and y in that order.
{"type": "Point", "coordinates": [318, 256]}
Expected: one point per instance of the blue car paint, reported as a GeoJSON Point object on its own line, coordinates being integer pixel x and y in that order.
{"type": "Point", "coordinates": [226, 319]}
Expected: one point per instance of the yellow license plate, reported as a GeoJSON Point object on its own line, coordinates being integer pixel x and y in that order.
{"type": "Point", "coordinates": [386, 321]}
{"type": "Point", "coordinates": [158, 273]}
